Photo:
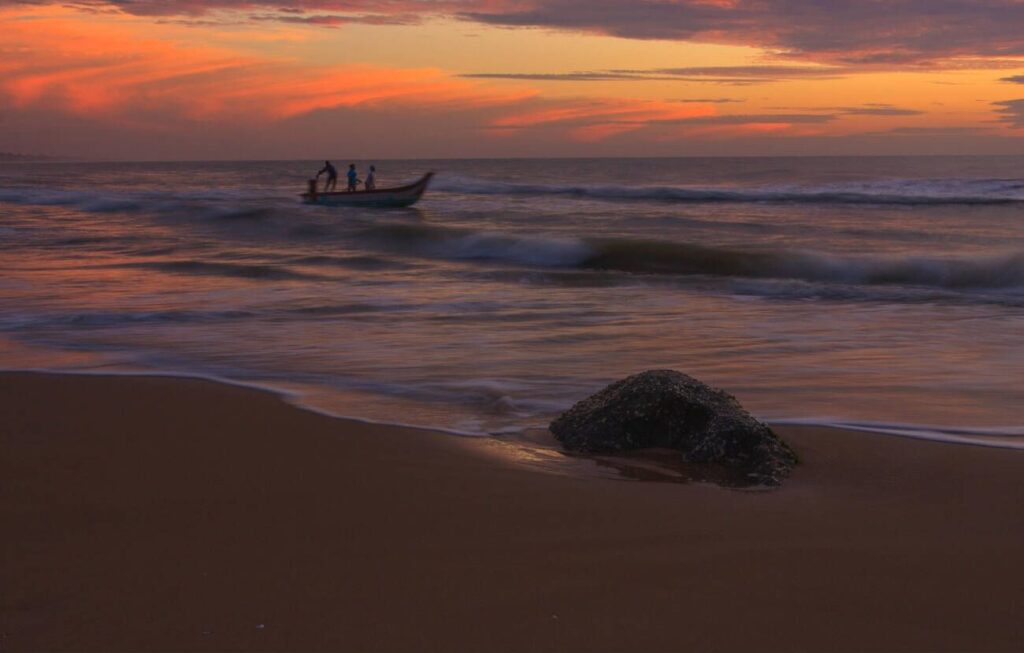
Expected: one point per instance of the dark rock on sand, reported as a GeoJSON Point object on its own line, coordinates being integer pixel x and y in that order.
{"type": "Point", "coordinates": [670, 410]}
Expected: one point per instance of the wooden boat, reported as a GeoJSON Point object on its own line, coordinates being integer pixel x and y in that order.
{"type": "Point", "coordinates": [379, 197]}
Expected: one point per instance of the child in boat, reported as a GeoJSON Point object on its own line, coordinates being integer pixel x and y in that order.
{"type": "Point", "coordinates": [353, 177]}
{"type": "Point", "coordinates": [371, 179]}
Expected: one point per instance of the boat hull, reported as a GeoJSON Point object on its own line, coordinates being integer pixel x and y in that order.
{"type": "Point", "coordinates": [381, 198]}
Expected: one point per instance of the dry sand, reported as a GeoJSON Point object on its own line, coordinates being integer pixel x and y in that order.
{"type": "Point", "coordinates": [169, 514]}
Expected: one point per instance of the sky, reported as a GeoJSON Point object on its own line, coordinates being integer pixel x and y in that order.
{"type": "Point", "coordinates": [309, 79]}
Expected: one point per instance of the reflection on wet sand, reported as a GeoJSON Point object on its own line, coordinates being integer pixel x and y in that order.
{"type": "Point", "coordinates": [538, 450]}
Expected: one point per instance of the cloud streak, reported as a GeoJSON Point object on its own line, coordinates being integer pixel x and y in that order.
{"type": "Point", "coordinates": [1011, 112]}
{"type": "Point", "coordinates": [591, 120]}
{"type": "Point", "coordinates": [738, 75]}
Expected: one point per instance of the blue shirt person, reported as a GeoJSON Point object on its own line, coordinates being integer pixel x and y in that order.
{"type": "Point", "coordinates": [353, 177]}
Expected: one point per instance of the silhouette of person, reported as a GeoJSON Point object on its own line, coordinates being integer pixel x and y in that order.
{"type": "Point", "coordinates": [371, 179]}
{"type": "Point", "coordinates": [332, 176]}
{"type": "Point", "coordinates": [353, 177]}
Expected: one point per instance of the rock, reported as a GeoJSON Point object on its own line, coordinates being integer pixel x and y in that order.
{"type": "Point", "coordinates": [668, 409]}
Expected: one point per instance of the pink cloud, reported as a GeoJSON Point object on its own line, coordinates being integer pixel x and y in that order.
{"type": "Point", "coordinates": [58, 62]}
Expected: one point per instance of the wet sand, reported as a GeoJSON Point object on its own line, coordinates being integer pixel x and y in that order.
{"type": "Point", "coordinates": [169, 514]}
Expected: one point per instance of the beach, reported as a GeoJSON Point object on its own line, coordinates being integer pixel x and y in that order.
{"type": "Point", "coordinates": [661, 326]}
{"type": "Point", "coordinates": [150, 513]}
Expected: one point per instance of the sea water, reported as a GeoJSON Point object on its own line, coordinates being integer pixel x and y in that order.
{"type": "Point", "coordinates": [878, 293]}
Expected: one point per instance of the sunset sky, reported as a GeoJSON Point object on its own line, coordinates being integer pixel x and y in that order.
{"type": "Point", "coordinates": [240, 79]}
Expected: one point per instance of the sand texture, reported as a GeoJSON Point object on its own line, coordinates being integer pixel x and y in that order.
{"type": "Point", "coordinates": [167, 514]}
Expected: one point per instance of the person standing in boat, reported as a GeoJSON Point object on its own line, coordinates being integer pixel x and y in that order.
{"type": "Point", "coordinates": [332, 176]}
{"type": "Point", "coordinates": [371, 179]}
{"type": "Point", "coordinates": [353, 177]}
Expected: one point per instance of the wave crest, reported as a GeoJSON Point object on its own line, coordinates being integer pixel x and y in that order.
{"type": "Point", "coordinates": [1005, 271]}
{"type": "Point", "coordinates": [636, 256]}
{"type": "Point", "coordinates": [899, 192]}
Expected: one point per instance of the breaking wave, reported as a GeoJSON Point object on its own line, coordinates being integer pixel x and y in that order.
{"type": "Point", "coordinates": [687, 259]}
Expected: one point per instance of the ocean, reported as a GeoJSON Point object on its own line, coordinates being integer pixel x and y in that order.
{"type": "Point", "coordinates": [883, 294]}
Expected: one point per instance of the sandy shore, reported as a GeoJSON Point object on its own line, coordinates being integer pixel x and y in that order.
{"type": "Point", "coordinates": [168, 514]}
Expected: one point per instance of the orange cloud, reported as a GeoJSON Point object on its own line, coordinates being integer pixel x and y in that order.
{"type": "Point", "coordinates": [758, 127]}
{"type": "Point", "coordinates": [283, 94]}
{"type": "Point", "coordinates": [606, 111]}
{"type": "Point", "coordinates": [60, 62]}
{"type": "Point", "coordinates": [594, 120]}
{"type": "Point", "coordinates": [600, 132]}
{"type": "Point", "coordinates": [56, 60]}
{"type": "Point", "coordinates": [113, 69]}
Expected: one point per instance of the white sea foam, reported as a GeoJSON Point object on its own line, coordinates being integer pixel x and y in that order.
{"type": "Point", "coordinates": [1002, 437]}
